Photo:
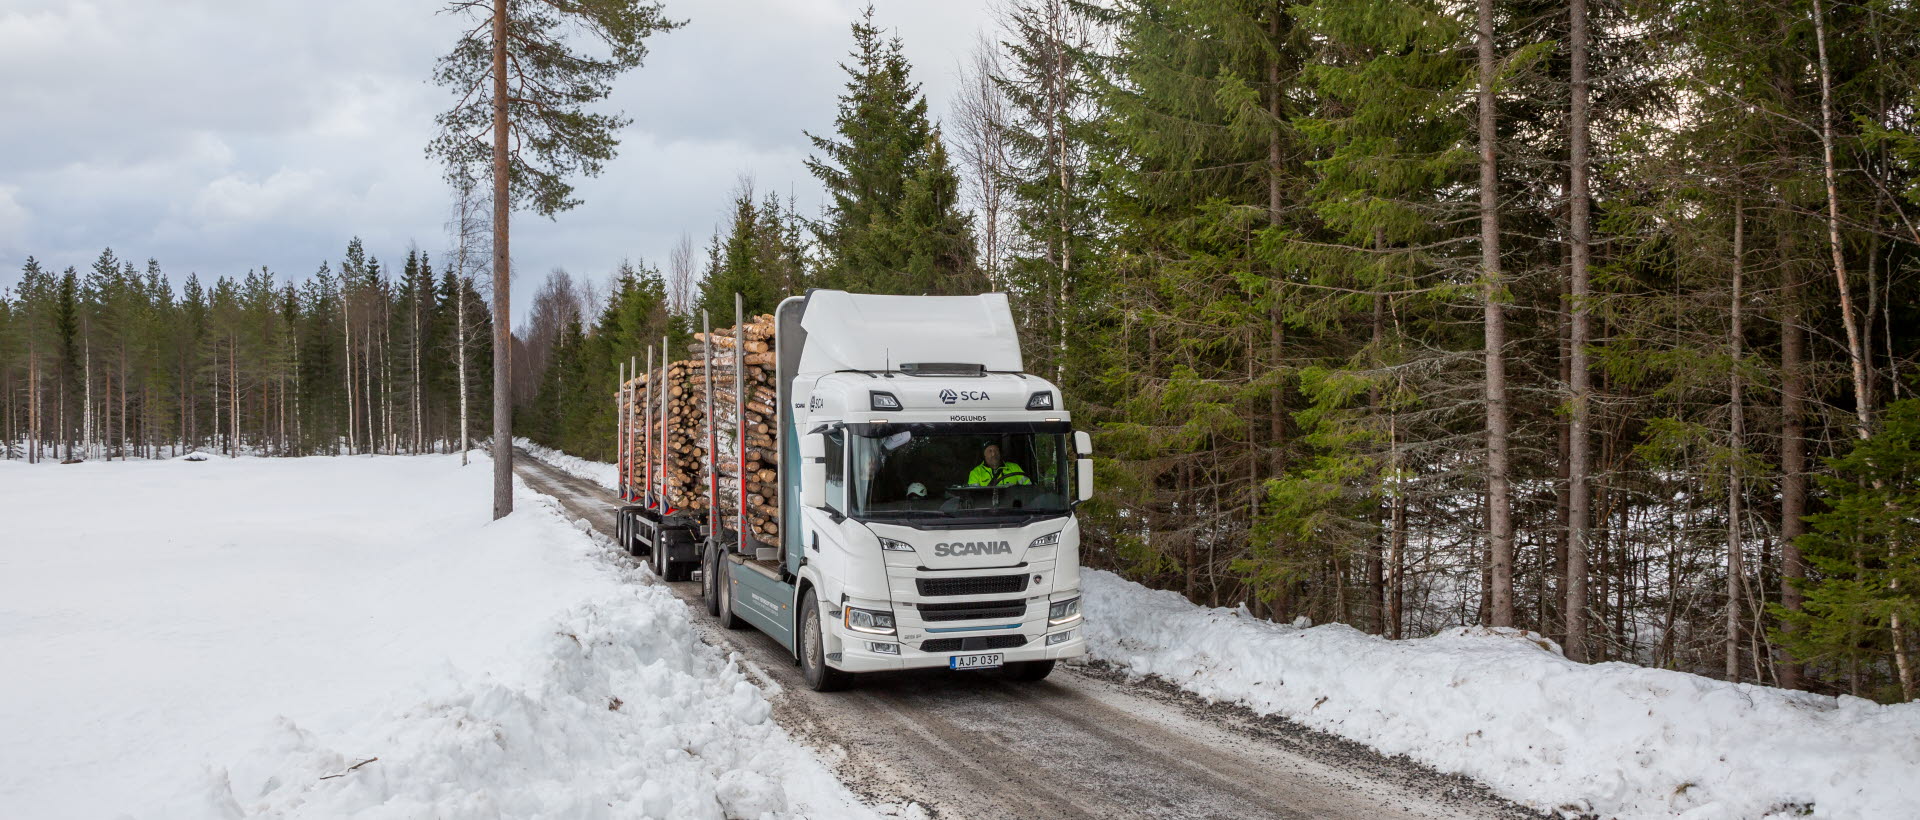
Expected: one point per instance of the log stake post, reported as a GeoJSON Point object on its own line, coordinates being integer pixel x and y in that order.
{"type": "Point", "coordinates": [620, 431]}
{"type": "Point", "coordinates": [646, 439]}
{"type": "Point", "coordinates": [632, 415]}
{"type": "Point", "coordinates": [665, 456]}
{"type": "Point", "coordinates": [740, 410]}
{"type": "Point", "coordinates": [713, 467]}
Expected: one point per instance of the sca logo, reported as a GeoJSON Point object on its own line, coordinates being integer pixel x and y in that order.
{"type": "Point", "coordinates": [949, 396]}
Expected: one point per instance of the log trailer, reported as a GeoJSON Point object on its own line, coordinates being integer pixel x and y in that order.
{"type": "Point", "coordinates": [873, 481]}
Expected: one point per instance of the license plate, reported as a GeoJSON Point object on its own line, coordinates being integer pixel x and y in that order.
{"type": "Point", "coordinates": [987, 661]}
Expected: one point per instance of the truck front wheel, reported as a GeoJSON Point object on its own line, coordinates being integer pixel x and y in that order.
{"type": "Point", "coordinates": [710, 579]}
{"type": "Point", "coordinates": [813, 651]}
{"type": "Point", "coordinates": [723, 578]}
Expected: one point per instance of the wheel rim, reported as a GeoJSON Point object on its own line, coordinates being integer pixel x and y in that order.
{"type": "Point", "coordinates": [810, 639]}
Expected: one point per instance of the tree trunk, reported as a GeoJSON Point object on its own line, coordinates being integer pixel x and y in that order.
{"type": "Point", "coordinates": [33, 407]}
{"type": "Point", "coordinates": [1579, 493]}
{"type": "Point", "coordinates": [1056, 19]}
{"type": "Point", "coordinates": [460, 351]}
{"type": "Point", "coordinates": [86, 399]}
{"type": "Point", "coordinates": [502, 335]}
{"type": "Point", "coordinates": [346, 333]}
{"type": "Point", "coordinates": [1376, 548]}
{"type": "Point", "coordinates": [123, 403]}
{"type": "Point", "coordinates": [1499, 504]}
{"type": "Point", "coordinates": [1736, 442]}
{"type": "Point", "coordinates": [1277, 423]}
{"type": "Point", "coordinates": [1856, 352]}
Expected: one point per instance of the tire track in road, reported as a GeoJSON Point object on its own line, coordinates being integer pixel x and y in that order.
{"type": "Point", "coordinates": [1082, 743]}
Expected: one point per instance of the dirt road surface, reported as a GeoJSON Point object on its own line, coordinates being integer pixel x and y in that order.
{"type": "Point", "coordinates": [1086, 742]}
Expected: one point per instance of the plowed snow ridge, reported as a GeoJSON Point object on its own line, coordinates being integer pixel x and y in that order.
{"type": "Point", "coordinates": [231, 637]}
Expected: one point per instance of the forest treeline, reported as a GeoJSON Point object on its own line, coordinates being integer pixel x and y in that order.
{"type": "Point", "coordinates": [117, 362]}
{"type": "Point", "coordinates": [1588, 318]}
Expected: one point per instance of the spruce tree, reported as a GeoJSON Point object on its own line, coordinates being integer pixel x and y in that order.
{"type": "Point", "coordinates": [888, 180]}
{"type": "Point", "coordinates": [1865, 549]}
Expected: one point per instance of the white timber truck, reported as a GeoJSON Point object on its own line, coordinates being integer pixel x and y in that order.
{"type": "Point", "coordinates": [927, 489]}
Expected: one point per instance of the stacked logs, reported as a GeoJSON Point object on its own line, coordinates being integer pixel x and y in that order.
{"type": "Point", "coordinates": [683, 471]}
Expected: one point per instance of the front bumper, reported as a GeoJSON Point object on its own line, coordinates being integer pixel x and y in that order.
{"type": "Point", "coordinates": [857, 655]}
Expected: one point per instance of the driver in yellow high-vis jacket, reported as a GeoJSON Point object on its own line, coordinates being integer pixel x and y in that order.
{"type": "Point", "coordinates": [993, 472]}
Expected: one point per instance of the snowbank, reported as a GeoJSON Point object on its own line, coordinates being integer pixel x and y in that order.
{"type": "Point", "coordinates": [223, 638]}
{"type": "Point", "coordinates": [630, 717]}
{"type": "Point", "coordinates": [1506, 708]}
{"type": "Point", "coordinates": [598, 472]}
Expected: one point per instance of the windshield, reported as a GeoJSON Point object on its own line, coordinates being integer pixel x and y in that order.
{"type": "Point", "coordinates": [916, 473]}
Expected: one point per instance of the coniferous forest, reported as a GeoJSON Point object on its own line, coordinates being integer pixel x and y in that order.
{"type": "Point", "coordinates": [1590, 318]}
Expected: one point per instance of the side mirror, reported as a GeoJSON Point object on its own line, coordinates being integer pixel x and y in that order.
{"type": "Point", "coordinates": [1082, 443]}
{"type": "Point", "coordinates": [1085, 472]}
{"type": "Point", "coordinates": [813, 470]}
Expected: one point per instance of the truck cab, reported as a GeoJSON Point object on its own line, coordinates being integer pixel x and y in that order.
{"type": "Point", "coordinates": [929, 487]}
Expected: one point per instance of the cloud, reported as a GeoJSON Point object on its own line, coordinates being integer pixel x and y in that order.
{"type": "Point", "coordinates": [13, 218]}
{"type": "Point", "coordinates": [221, 135]}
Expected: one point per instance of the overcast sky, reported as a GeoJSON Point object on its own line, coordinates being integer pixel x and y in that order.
{"type": "Point", "coordinates": [222, 135]}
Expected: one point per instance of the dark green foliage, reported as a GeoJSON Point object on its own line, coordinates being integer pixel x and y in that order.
{"type": "Point", "coordinates": [120, 365]}
{"type": "Point", "coordinates": [760, 258]}
{"type": "Point", "coordinates": [1865, 549]}
{"type": "Point", "coordinates": [573, 408]}
{"type": "Point", "coordinates": [893, 224]}
{"type": "Point", "coordinates": [550, 91]}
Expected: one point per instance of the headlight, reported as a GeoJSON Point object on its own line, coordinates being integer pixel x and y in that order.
{"type": "Point", "coordinates": [1063, 611]}
{"type": "Point", "coordinates": [883, 401]}
{"type": "Point", "coordinates": [1042, 400]}
{"type": "Point", "coordinates": [891, 545]}
{"type": "Point", "coordinates": [1047, 540]}
{"type": "Point", "coordinates": [868, 620]}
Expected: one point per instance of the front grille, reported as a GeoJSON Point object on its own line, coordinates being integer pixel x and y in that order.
{"type": "Point", "coordinates": [972, 610]}
{"type": "Point", "coordinates": [973, 643]}
{"type": "Point", "coordinates": [979, 585]}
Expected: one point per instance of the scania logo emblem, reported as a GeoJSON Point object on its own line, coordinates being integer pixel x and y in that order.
{"type": "Point", "coordinates": [949, 397]}
{"type": "Point", "coordinates": [972, 548]}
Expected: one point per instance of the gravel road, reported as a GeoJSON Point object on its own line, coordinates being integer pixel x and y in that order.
{"type": "Point", "coordinates": [1086, 742]}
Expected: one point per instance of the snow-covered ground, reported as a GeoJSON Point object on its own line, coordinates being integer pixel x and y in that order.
{"type": "Point", "coordinates": [1506, 708]}
{"type": "Point", "coordinates": [335, 637]}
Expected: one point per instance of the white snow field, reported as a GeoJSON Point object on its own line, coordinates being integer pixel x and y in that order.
{"type": "Point", "coordinates": [232, 638]}
{"type": "Point", "coordinates": [1506, 708]}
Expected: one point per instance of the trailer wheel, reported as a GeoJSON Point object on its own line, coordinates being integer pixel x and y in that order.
{"type": "Point", "coordinates": [725, 580]}
{"type": "Point", "coordinates": [1028, 671]}
{"type": "Point", "coordinates": [709, 579]}
{"type": "Point", "coordinates": [813, 651]}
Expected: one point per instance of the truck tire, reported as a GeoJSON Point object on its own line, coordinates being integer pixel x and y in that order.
{"type": "Point", "coordinates": [813, 651]}
{"type": "Point", "coordinates": [710, 579]}
{"type": "Point", "coordinates": [725, 580]}
{"type": "Point", "coordinates": [1028, 671]}
{"type": "Point", "coordinates": [678, 571]}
